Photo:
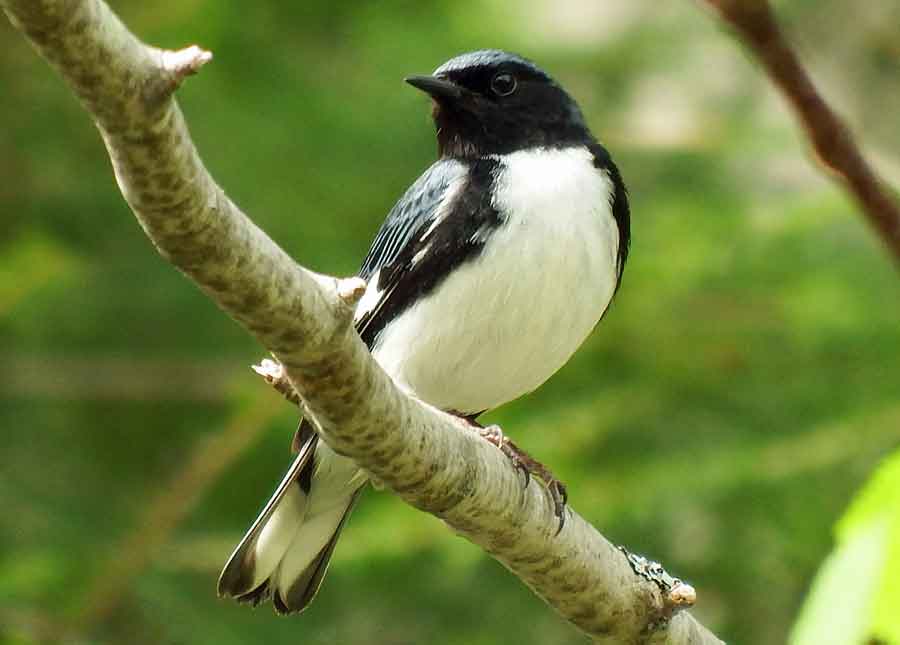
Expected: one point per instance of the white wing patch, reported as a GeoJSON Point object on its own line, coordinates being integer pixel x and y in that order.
{"type": "Point", "coordinates": [370, 298]}
{"type": "Point", "coordinates": [420, 254]}
{"type": "Point", "coordinates": [450, 196]}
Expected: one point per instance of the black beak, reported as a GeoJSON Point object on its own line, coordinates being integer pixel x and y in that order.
{"type": "Point", "coordinates": [435, 86]}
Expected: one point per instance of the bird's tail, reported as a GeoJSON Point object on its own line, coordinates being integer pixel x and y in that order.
{"type": "Point", "coordinates": [286, 551]}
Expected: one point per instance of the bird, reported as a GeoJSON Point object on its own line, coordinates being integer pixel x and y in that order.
{"type": "Point", "coordinates": [484, 279]}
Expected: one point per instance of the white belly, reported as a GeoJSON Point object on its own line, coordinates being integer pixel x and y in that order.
{"type": "Point", "coordinates": [503, 323]}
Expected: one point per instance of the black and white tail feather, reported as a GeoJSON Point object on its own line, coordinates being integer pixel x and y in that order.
{"type": "Point", "coordinates": [286, 552]}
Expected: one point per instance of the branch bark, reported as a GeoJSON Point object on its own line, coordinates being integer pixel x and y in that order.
{"type": "Point", "coordinates": [834, 146]}
{"type": "Point", "coordinates": [428, 458]}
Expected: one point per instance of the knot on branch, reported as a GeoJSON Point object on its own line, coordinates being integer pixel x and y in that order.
{"type": "Point", "coordinates": [273, 374]}
{"type": "Point", "coordinates": [677, 595]}
{"type": "Point", "coordinates": [174, 67]}
{"type": "Point", "coordinates": [350, 290]}
{"type": "Point", "coordinates": [183, 63]}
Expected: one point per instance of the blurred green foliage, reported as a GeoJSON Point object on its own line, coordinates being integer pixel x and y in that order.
{"type": "Point", "coordinates": [742, 387]}
{"type": "Point", "coordinates": [854, 598]}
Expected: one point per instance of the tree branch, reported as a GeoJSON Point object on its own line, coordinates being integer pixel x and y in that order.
{"type": "Point", "coordinates": [832, 142]}
{"type": "Point", "coordinates": [427, 457]}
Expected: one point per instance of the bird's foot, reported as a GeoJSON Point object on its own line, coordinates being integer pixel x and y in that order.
{"type": "Point", "coordinates": [529, 466]}
{"type": "Point", "coordinates": [494, 435]}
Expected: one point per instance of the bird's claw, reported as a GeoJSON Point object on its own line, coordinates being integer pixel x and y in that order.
{"type": "Point", "coordinates": [560, 498]}
{"type": "Point", "coordinates": [529, 466]}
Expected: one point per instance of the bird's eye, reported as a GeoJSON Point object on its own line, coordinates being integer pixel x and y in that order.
{"type": "Point", "coordinates": [503, 84]}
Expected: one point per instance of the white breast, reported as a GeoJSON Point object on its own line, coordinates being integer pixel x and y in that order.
{"type": "Point", "coordinates": [503, 323]}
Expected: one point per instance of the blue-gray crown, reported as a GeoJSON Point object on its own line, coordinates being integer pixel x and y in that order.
{"type": "Point", "coordinates": [488, 58]}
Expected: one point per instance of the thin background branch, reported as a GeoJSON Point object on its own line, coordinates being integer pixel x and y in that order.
{"type": "Point", "coordinates": [834, 146]}
{"type": "Point", "coordinates": [166, 507]}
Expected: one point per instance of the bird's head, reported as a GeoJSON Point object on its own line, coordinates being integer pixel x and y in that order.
{"type": "Point", "coordinates": [493, 102]}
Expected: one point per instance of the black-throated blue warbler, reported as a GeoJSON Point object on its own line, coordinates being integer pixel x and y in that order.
{"type": "Point", "coordinates": [484, 279]}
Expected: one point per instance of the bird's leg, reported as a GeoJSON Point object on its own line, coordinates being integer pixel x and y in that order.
{"type": "Point", "coordinates": [527, 464]}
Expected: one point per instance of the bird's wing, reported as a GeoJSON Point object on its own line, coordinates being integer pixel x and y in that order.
{"type": "Point", "coordinates": [419, 206]}
{"type": "Point", "coordinates": [427, 201]}
{"type": "Point", "coordinates": [443, 220]}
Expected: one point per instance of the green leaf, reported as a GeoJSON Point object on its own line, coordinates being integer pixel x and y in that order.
{"type": "Point", "coordinates": [854, 598]}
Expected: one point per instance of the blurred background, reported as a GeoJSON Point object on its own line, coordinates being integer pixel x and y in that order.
{"type": "Point", "coordinates": [743, 387]}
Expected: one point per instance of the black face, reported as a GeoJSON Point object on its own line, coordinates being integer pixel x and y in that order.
{"type": "Point", "coordinates": [493, 102]}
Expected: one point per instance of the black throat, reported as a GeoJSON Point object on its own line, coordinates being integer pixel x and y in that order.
{"type": "Point", "coordinates": [463, 135]}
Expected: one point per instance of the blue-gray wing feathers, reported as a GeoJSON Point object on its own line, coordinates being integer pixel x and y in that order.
{"type": "Point", "coordinates": [443, 220]}
{"type": "Point", "coordinates": [417, 209]}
